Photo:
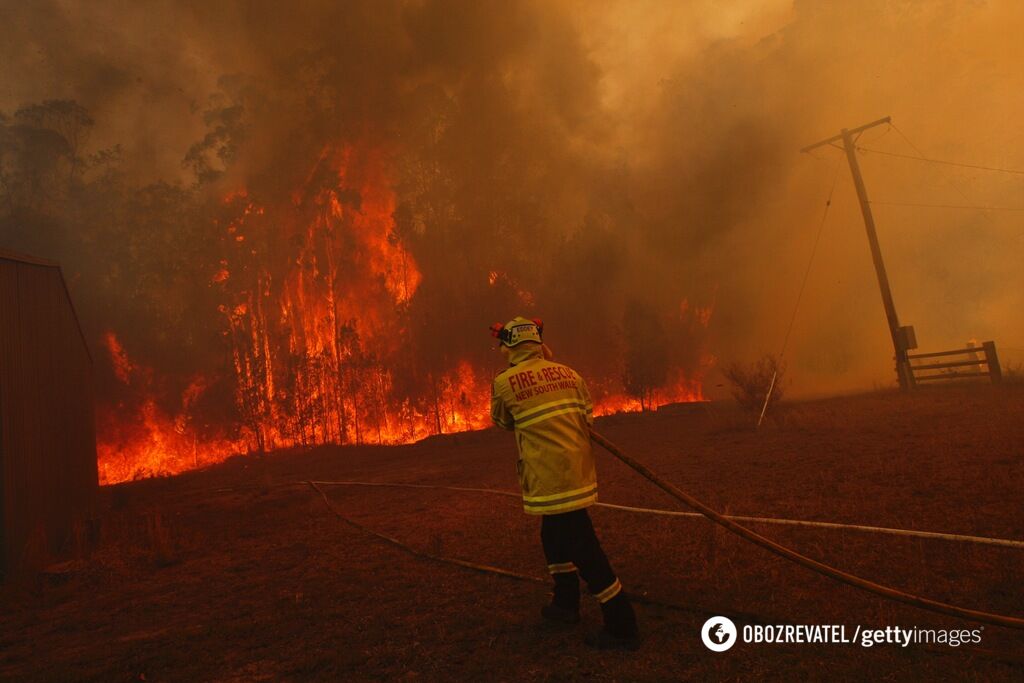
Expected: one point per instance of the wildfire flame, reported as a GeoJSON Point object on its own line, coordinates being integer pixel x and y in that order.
{"type": "Point", "coordinates": [313, 298]}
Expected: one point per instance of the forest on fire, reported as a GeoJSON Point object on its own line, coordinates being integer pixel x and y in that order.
{"type": "Point", "coordinates": [340, 296]}
{"type": "Point", "coordinates": [286, 226]}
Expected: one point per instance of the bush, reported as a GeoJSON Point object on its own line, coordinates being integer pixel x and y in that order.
{"type": "Point", "coordinates": [750, 382]}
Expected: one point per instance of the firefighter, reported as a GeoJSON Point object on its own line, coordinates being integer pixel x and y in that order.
{"type": "Point", "coordinates": [549, 408]}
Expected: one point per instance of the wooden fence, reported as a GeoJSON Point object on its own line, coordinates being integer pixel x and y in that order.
{"type": "Point", "coordinates": [966, 363]}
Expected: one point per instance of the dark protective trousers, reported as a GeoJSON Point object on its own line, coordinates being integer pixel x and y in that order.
{"type": "Point", "coordinates": [573, 550]}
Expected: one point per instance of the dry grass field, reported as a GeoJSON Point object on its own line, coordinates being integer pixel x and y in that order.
{"type": "Point", "coordinates": [235, 574]}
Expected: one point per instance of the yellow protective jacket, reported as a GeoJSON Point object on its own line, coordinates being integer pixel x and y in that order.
{"type": "Point", "coordinates": [549, 407]}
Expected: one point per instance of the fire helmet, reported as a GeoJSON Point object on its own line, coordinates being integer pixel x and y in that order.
{"type": "Point", "coordinates": [518, 330]}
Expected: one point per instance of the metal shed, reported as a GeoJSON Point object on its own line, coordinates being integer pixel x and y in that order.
{"type": "Point", "coordinates": [48, 478]}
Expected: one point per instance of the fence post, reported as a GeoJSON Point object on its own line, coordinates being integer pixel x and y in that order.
{"type": "Point", "coordinates": [992, 360]}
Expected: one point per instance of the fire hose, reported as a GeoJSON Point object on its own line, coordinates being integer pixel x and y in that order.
{"type": "Point", "coordinates": [889, 531]}
{"type": "Point", "coordinates": [803, 560]}
{"type": "Point", "coordinates": [490, 569]}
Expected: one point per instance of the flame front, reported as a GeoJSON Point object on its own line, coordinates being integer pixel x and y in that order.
{"type": "Point", "coordinates": [311, 340]}
{"type": "Point", "coordinates": [315, 297]}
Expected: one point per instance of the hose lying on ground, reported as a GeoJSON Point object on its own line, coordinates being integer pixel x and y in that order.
{"type": "Point", "coordinates": [642, 599]}
{"type": "Point", "coordinates": [420, 553]}
{"type": "Point", "coordinates": [913, 533]}
{"type": "Point", "coordinates": [793, 556]}
{"type": "Point", "coordinates": [490, 569]}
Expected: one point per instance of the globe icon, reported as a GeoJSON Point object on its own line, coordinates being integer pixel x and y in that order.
{"type": "Point", "coordinates": [719, 633]}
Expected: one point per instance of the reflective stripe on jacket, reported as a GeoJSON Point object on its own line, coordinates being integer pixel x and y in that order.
{"type": "Point", "coordinates": [548, 406]}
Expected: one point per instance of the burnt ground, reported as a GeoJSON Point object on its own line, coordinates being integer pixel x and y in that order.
{"type": "Point", "coordinates": [232, 574]}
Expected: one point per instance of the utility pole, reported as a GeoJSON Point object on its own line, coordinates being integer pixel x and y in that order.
{"type": "Point", "coordinates": [902, 337]}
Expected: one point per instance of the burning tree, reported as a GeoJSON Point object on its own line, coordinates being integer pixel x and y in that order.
{"type": "Point", "coordinates": [647, 355]}
{"type": "Point", "coordinates": [317, 296]}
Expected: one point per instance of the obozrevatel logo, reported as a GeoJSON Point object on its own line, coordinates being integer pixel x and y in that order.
{"type": "Point", "coordinates": [718, 633]}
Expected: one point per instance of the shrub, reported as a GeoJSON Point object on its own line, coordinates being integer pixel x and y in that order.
{"type": "Point", "coordinates": [750, 381]}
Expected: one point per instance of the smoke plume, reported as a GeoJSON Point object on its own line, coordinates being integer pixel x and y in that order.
{"type": "Point", "coordinates": [628, 171]}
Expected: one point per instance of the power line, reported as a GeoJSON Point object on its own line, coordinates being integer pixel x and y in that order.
{"type": "Point", "coordinates": [800, 294]}
{"type": "Point", "coordinates": [940, 161]}
{"type": "Point", "coordinates": [810, 261]}
{"type": "Point", "coordinates": [952, 184]}
{"type": "Point", "coordinates": [888, 129]}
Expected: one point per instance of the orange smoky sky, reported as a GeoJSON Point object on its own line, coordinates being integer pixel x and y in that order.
{"type": "Point", "coordinates": [595, 153]}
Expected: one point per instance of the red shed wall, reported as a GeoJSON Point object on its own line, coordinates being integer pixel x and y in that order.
{"type": "Point", "coordinates": [48, 476]}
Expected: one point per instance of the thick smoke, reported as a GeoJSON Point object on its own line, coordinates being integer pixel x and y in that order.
{"type": "Point", "coordinates": [611, 167]}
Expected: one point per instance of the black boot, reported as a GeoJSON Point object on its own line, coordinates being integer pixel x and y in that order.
{"type": "Point", "coordinates": [620, 631]}
{"type": "Point", "coordinates": [565, 603]}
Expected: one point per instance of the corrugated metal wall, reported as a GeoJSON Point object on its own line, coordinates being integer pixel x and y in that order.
{"type": "Point", "coordinates": [48, 476]}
